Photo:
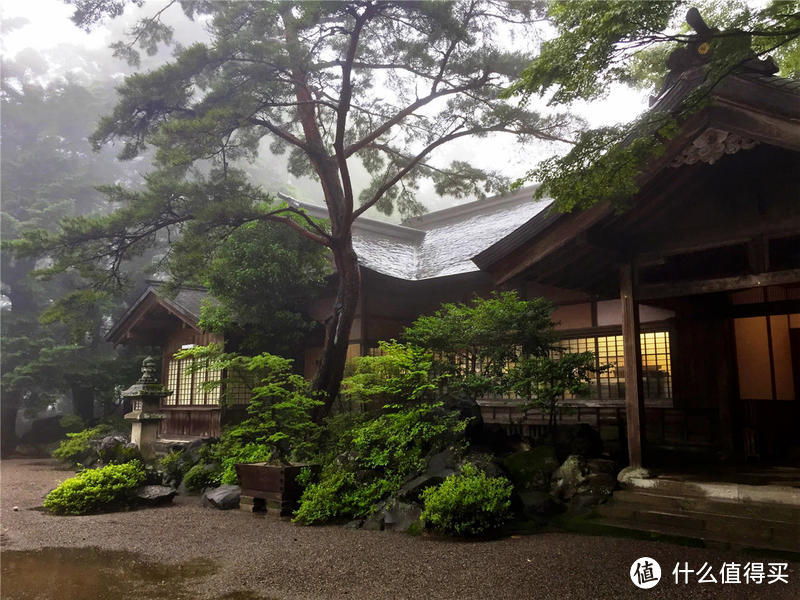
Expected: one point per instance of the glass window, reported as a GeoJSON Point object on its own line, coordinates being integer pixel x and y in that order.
{"type": "Point", "coordinates": [608, 350]}
{"type": "Point", "coordinates": [186, 384]}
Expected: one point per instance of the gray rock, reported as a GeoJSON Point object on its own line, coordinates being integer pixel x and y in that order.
{"type": "Point", "coordinates": [443, 463]}
{"type": "Point", "coordinates": [440, 467]}
{"type": "Point", "coordinates": [400, 516]}
{"type": "Point", "coordinates": [154, 495]}
{"type": "Point", "coordinates": [484, 461]}
{"type": "Point", "coordinates": [374, 522]}
{"type": "Point", "coordinates": [354, 524]}
{"type": "Point", "coordinates": [412, 489]}
{"type": "Point", "coordinates": [225, 497]}
{"type": "Point", "coordinates": [624, 477]}
{"type": "Point", "coordinates": [568, 478]}
{"type": "Point", "coordinates": [531, 470]}
{"type": "Point", "coordinates": [584, 483]}
{"type": "Point", "coordinates": [110, 442]}
{"type": "Point", "coordinates": [536, 503]}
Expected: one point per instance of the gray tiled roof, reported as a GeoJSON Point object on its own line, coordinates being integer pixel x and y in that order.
{"type": "Point", "coordinates": [439, 243]}
{"type": "Point", "coordinates": [190, 300]}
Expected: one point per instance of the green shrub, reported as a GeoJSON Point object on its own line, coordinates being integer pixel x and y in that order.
{"type": "Point", "coordinates": [468, 503]}
{"type": "Point", "coordinates": [201, 476]}
{"type": "Point", "coordinates": [373, 458]}
{"type": "Point", "coordinates": [77, 449]}
{"type": "Point", "coordinates": [279, 426]}
{"type": "Point", "coordinates": [230, 454]}
{"type": "Point", "coordinates": [173, 467]}
{"type": "Point", "coordinates": [96, 489]}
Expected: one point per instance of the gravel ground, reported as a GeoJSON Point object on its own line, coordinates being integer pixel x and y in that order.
{"type": "Point", "coordinates": [255, 557]}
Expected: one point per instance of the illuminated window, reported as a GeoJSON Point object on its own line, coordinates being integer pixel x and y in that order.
{"type": "Point", "coordinates": [609, 384]}
{"type": "Point", "coordinates": [188, 384]}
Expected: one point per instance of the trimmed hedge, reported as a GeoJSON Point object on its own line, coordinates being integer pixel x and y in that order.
{"type": "Point", "coordinates": [468, 503]}
{"type": "Point", "coordinates": [96, 489]}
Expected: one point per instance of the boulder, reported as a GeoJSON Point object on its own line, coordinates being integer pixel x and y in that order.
{"type": "Point", "coordinates": [155, 495]}
{"type": "Point", "coordinates": [569, 477]}
{"type": "Point", "coordinates": [374, 522]}
{"type": "Point", "coordinates": [111, 442]}
{"type": "Point", "coordinates": [531, 470]}
{"type": "Point", "coordinates": [536, 503]}
{"type": "Point", "coordinates": [412, 489]}
{"type": "Point", "coordinates": [624, 477]}
{"type": "Point", "coordinates": [440, 467]}
{"type": "Point", "coordinates": [225, 497]}
{"type": "Point", "coordinates": [484, 461]}
{"type": "Point", "coordinates": [584, 483]}
{"type": "Point", "coordinates": [354, 524]}
{"type": "Point", "coordinates": [401, 516]}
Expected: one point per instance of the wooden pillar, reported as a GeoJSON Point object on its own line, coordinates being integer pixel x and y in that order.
{"type": "Point", "coordinates": [634, 397]}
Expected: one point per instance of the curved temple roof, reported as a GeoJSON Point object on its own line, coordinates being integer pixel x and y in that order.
{"type": "Point", "coordinates": [440, 243]}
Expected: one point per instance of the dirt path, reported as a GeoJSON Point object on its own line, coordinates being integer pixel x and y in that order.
{"type": "Point", "coordinates": [245, 556]}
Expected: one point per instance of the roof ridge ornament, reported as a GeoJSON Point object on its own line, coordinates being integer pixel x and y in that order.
{"type": "Point", "coordinates": [712, 145]}
{"type": "Point", "coordinates": [699, 52]}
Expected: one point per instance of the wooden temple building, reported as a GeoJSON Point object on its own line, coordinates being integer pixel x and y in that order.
{"type": "Point", "coordinates": [692, 294]}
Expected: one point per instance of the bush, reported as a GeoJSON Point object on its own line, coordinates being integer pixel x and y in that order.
{"type": "Point", "coordinates": [373, 458]}
{"type": "Point", "coordinates": [469, 503]}
{"type": "Point", "coordinates": [95, 489]}
{"type": "Point", "coordinates": [77, 449]}
{"type": "Point", "coordinates": [173, 467]}
{"type": "Point", "coordinates": [279, 426]}
{"type": "Point", "coordinates": [201, 476]}
{"type": "Point", "coordinates": [231, 454]}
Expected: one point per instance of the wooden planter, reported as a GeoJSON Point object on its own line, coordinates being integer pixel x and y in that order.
{"type": "Point", "coordinates": [274, 488]}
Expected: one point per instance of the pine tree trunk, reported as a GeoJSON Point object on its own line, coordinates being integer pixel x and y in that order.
{"type": "Point", "coordinates": [328, 377]}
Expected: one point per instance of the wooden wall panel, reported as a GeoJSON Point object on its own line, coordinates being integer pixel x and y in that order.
{"type": "Point", "coordinates": [573, 316]}
{"type": "Point", "coordinates": [782, 357]}
{"type": "Point", "coordinates": [752, 358]}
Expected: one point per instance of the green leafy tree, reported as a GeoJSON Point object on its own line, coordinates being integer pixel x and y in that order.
{"type": "Point", "coordinates": [543, 381]}
{"type": "Point", "coordinates": [475, 343]}
{"type": "Point", "coordinates": [601, 44]}
{"type": "Point", "coordinates": [262, 277]}
{"type": "Point", "coordinates": [279, 426]}
{"type": "Point", "coordinates": [380, 84]}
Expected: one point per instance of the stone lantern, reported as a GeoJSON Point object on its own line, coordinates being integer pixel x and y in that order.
{"type": "Point", "coordinates": [146, 395]}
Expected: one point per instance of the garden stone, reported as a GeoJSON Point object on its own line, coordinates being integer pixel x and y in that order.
{"type": "Point", "coordinates": [225, 497]}
{"type": "Point", "coordinates": [484, 461]}
{"type": "Point", "coordinates": [624, 477]}
{"type": "Point", "coordinates": [400, 516]}
{"type": "Point", "coordinates": [442, 463]}
{"type": "Point", "coordinates": [354, 524]}
{"type": "Point", "coordinates": [154, 495]}
{"type": "Point", "coordinates": [536, 503]}
{"type": "Point", "coordinates": [110, 442]}
{"type": "Point", "coordinates": [374, 522]}
{"type": "Point", "coordinates": [531, 470]}
{"type": "Point", "coordinates": [440, 466]}
{"type": "Point", "coordinates": [568, 478]}
{"type": "Point", "coordinates": [412, 489]}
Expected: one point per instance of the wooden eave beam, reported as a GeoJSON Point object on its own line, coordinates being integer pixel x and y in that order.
{"type": "Point", "coordinates": [655, 291]}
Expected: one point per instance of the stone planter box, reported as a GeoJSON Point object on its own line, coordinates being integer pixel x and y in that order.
{"type": "Point", "coordinates": [274, 488]}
